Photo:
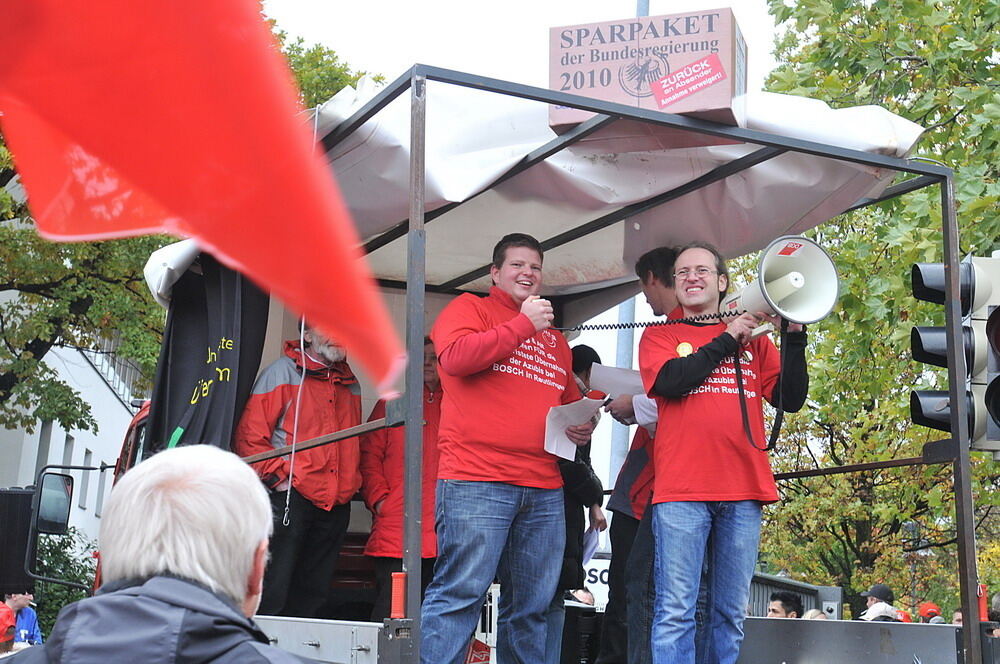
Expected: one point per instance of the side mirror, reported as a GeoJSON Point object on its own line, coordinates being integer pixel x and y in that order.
{"type": "Point", "coordinates": [55, 496]}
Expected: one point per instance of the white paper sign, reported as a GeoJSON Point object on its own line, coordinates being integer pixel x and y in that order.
{"type": "Point", "coordinates": [591, 540]}
{"type": "Point", "coordinates": [614, 381]}
{"type": "Point", "coordinates": [560, 417]}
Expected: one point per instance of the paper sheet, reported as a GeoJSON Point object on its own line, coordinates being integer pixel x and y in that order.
{"type": "Point", "coordinates": [614, 381]}
{"type": "Point", "coordinates": [591, 540]}
{"type": "Point", "coordinates": [560, 417]}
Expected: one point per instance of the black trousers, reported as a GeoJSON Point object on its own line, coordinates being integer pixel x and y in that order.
{"type": "Point", "coordinates": [614, 628]}
{"type": "Point", "coordinates": [303, 556]}
{"type": "Point", "coordinates": [384, 567]}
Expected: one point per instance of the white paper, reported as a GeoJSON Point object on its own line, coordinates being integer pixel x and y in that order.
{"type": "Point", "coordinates": [614, 381]}
{"type": "Point", "coordinates": [591, 540]}
{"type": "Point", "coordinates": [560, 417]}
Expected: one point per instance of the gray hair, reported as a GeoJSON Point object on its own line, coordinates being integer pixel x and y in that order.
{"type": "Point", "coordinates": [195, 512]}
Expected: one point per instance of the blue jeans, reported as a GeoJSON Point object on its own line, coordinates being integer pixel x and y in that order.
{"type": "Point", "coordinates": [714, 540]}
{"type": "Point", "coordinates": [555, 621]}
{"type": "Point", "coordinates": [487, 529]}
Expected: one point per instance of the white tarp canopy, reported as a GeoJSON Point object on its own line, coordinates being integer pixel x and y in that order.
{"type": "Point", "coordinates": [473, 137]}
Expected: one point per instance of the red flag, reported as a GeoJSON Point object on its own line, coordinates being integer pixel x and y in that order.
{"type": "Point", "coordinates": [129, 117]}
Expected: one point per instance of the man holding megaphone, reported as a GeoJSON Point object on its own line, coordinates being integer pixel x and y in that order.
{"type": "Point", "coordinates": [712, 473]}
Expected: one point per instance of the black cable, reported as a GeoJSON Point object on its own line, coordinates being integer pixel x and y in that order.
{"type": "Point", "coordinates": [700, 318]}
{"type": "Point", "coordinates": [779, 416]}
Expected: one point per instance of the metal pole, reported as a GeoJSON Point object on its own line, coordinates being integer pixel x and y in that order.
{"type": "Point", "coordinates": [416, 280]}
{"type": "Point", "coordinates": [642, 8]}
{"type": "Point", "coordinates": [623, 358]}
{"type": "Point", "coordinates": [968, 578]}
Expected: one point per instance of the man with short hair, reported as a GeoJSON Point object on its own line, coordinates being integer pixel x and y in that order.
{"type": "Point", "coordinates": [308, 392]}
{"type": "Point", "coordinates": [784, 604]}
{"type": "Point", "coordinates": [183, 545]}
{"type": "Point", "coordinates": [27, 632]}
{"type": "Point", "coordinates": [625, 628]}
{"type": "Point", "coordinates": [499, 493]}
{"type": "Point", "coordinates": [711, 469]}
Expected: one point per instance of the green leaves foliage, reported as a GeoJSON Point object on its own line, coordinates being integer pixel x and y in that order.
{"type": "Point", "coordinates": [67, 557]}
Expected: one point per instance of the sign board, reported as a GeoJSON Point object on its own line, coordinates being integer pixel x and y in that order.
{"type": "Point", "coordinates": [692, 63]}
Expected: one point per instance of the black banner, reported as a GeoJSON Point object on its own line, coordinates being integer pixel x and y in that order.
{"type": "Point", "coordinates": [209, 359]}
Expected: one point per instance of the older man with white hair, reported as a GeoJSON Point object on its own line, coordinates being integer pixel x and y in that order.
{"type": "Point", "coordinates": [183, 544]}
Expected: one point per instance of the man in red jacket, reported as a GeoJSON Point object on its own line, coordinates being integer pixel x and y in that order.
{"type": "Point", "coordinates": [382, 463]}
{"type": "Point", "coordinates": [499, 493]}
{"type": "Point", "coordinates": [309, 392]}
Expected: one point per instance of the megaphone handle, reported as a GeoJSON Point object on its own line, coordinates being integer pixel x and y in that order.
{"type": "Point", "coordinates": [766, 328]}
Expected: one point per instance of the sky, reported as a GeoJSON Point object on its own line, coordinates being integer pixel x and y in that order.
{"type": "Point", "coordinates": [506, 40]}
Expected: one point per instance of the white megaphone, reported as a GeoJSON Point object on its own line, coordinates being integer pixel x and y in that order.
{"type": "Point", "coordinates": [796, 279]}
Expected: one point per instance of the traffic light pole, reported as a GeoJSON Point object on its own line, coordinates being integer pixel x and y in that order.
{"type": "Point", "coordinates": [965, 524]}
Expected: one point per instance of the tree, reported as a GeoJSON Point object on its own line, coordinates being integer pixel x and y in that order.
{"type": "Point", "coordinates": [78, 294]}
{"type": "Point", "coordinates": [936, 64]}
{"type": "Point", "coordinates": [67, 557]}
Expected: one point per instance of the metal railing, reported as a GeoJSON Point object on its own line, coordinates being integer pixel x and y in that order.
{"type": "Point", "coordinates": [121, 375]}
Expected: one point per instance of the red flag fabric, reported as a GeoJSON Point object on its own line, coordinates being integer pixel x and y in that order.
{"type": "Point", "coordinates": [129, 118]}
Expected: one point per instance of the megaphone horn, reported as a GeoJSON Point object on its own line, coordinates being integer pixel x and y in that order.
{"type": "Point", "coordinates": [796, 279]}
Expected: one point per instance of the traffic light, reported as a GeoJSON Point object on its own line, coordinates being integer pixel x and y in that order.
{"type": "Point", "coordinates": [979, 288]}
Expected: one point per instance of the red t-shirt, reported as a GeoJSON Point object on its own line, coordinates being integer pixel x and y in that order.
{"type": "Point", "coordinates": [499, 378]}
{"type": "Point", "coordinates": [7, 622]}
{"type": "Point", "coordinates": [701, 451]}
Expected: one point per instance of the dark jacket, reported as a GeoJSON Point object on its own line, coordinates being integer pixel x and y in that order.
{"type": "Point", "coordinates": [160, 620]}
{"type": "Point", "coordinates": [581, 489]}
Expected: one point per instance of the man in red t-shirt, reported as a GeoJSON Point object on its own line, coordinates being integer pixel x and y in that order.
{"type": "Point", "coordinates": [499, 495]}
{"type": "Point", "coordinates": [711, 473]}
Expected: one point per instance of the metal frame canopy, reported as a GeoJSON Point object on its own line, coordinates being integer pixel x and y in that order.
{"type": "Point", "coordinates": [768, 146]}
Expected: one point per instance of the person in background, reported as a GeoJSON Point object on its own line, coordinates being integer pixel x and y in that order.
{"type": "Point", "coordinates": [814, 614]}
{"type": "Point", "coordinates": [7, 622]}
{"type": "Point", "coordinates": [582, 492]}
{"type": "Point", "coordinates": [382, 463]}
{"type": "Point", "coordinates": [784, 604]}
{"type": "Point", "coordinates": [880, 598]}
{"type": "Point", "coordinates": [927, 611]}
{"type": "Point", "coordinates": [625, 629]}
{"type": "Point", "coordinates": [308, 392]}
{"type": "Point", "coordinates": [956, 617]}
{"type": "Point", "coordinates": [27, 632]}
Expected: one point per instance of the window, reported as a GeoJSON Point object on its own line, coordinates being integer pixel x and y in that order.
{"type": "Point", "coordinates": [67, 459]}
{"type": "Point", "coordinates": [88, 458]}
{"type": "Point", "coordinates": [44, 446]}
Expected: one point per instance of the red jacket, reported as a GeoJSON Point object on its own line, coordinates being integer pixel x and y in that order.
{"type": "Point", "coordinates": [382, 463]}
{"type": "Point", "coordinates": [331, 400]}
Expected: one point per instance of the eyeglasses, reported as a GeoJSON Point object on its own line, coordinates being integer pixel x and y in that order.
{"type": "Point", "coordinates": [700, 272]}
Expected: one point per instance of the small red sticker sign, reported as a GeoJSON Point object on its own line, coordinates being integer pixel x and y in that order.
{"type": "Point", "coordinates": [685, 81]}
{"type": "Point", "coordinates": [790, 248]}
